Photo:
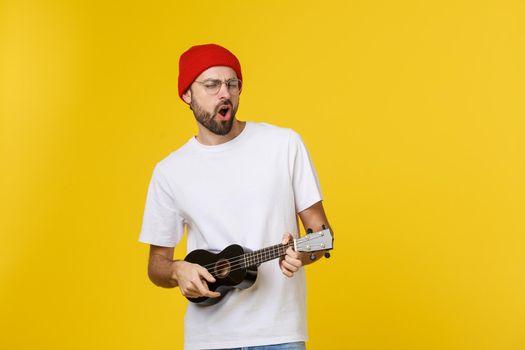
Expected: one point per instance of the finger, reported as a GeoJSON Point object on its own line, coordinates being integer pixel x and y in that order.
{"type": "Point", "coordinates": [205, 291]}
{"type": "Point", "coordinates": [286, 238]}
{"type": "Point", "coordinates": [206, 274]}
{"type": "Point", "coordinates": [294, 261]}
{"type": "Point", "coordinates": [292, 253]}
{"type": "Point", "coordinates": [211, 294]}
{"type": "Point", "coordinates": [288, 266]}
{"type": "Point", "coordinates": [286, 272]}
{"type": "Point", "coordinates": [188, 293]}
{"type": "Point", "coordinates": [201, 287]}
{"type": "Point", "coordinates": [197, 294]}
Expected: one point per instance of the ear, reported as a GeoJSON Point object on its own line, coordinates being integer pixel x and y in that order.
{"type": "Point", "coordinates": [187, 96]}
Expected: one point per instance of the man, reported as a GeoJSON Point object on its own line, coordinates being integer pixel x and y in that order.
{"type": "Point", "coordinates": [235, 182]}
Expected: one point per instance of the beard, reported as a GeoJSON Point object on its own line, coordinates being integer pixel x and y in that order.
{"type": "Point", "coordinates": [207, 119]}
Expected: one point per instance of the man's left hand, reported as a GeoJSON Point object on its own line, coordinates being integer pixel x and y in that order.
{"type": "Point", "coordinates": [291, 262]}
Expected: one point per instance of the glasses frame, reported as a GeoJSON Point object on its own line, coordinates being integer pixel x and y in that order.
{"type": "Point", "coordinates": [227, 83]}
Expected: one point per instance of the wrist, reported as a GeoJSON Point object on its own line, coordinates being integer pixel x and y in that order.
{"type": "Point", "coordinates": [175, 269]}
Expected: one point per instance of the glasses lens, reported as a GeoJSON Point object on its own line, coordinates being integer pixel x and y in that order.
{"type": "Point", "coordinates": [212, 86]}
{"type": "Point", "coordinates": [234, 85]}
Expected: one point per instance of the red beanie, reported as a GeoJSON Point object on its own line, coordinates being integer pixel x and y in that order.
{"type": "Point", "coordinates": [201, 57]}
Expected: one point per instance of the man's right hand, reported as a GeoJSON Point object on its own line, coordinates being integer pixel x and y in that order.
{"type": "Point", "coordinates": [192, 279]}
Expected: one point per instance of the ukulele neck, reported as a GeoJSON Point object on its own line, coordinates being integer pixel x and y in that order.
{"type": "Point", "coordinates": [266, 254]}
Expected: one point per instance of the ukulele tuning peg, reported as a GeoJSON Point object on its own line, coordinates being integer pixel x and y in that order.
{"type": "Point", "coordinates": [326, 254]}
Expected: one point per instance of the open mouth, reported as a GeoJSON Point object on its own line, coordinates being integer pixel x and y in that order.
{"type": "Point", "coordinates": [223, 110]}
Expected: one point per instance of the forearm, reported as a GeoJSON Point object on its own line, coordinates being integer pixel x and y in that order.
{"type": "Point", "coordinates": [191, 278]}
{"type": "Point", "coordinates": [160, 271]}
{"type": "Point", "coordinates": [314, 218]}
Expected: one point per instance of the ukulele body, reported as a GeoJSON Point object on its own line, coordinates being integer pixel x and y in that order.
{"type": "Point", "coordinates": [228, 268]}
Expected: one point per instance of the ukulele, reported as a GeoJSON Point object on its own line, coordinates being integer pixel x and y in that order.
{"type": "Point", "coordinates": [236, 266]}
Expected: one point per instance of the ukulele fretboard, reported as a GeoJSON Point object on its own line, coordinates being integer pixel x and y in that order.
{"type": "Point", "coordinates": [266, 254]}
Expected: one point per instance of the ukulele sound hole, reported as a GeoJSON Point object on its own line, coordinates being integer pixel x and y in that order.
{"type": "Point", "coordinates": [222, 268]}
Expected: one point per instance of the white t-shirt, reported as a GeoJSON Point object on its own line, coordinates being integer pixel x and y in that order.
{"type": "Point", "coordinates": [246, 191]}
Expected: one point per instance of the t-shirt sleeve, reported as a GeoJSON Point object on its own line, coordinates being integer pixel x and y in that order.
{"type": "Point", "coordinates": [307, 190]}
{"type": "Point", "coordinates": [162, 224]}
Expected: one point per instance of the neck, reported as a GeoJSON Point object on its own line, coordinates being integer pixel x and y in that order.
{"type": "Point", "coordinates": [206, 137]}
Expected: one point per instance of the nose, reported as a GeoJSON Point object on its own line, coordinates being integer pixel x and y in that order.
{"type": "Point", "coordinates": [224, 92]}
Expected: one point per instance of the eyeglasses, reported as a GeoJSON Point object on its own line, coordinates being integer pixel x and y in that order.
{"type": "Point", "coordinates": [213, 86]}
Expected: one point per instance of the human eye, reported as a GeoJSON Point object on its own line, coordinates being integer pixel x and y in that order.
{"type": "Point", "coordinates": [212, 84]}
{"type": "Point", "coordinates": [233, 83]}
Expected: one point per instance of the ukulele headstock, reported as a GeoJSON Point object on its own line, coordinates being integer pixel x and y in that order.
{"type": "Point", "coordinates": [313, 242]}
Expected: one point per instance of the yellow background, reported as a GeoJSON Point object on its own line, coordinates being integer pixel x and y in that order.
{"type": "Point", "coordinates": [413, 112]}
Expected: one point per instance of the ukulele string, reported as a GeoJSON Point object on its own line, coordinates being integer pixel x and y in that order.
{"type": "Point", "coordinates": [299, 240]}
{"type": "Point", "coordinates": [257, 254]}
{"type": "Point", "coordinates": [240, 258]}
{"type": "Point", "coordinates": [239, 262]}
{"type": "Point", "coordinates": [234, 267]}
